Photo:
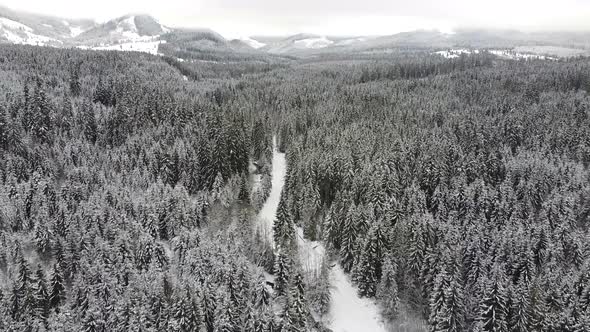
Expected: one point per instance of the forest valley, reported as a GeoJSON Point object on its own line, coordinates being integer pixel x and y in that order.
{"type": "Point", "coordinates": [454, 193]}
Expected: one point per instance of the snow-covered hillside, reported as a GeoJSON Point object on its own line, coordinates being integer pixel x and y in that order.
{"type": "Point", "coordinates": [18, 33]}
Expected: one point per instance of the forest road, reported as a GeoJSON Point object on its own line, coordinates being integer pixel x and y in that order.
{"type": "Point", "coordinates": [348, 311]}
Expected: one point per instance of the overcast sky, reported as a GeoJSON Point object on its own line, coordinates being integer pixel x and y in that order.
{"type": "Point", "coordinates": [235, 18]}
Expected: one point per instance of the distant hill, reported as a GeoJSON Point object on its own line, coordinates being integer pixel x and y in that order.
{"type": "Point", "coordinates": [129, 28]}
{"type": "Point", "coordinates": [25, 28]}
{"type": "Point", "coordinates": [145, 33]}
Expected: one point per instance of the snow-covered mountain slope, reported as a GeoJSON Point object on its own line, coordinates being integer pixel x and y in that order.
{"type": "Point", "coordinates": [126, 29]}
{"type": "Point", "coordinates": [24, 28]}
{"type": "Point", "coordinates": [18, 33]}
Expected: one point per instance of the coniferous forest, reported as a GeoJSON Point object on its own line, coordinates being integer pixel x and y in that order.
{"type": "Point", "coordinates": [454, 193]}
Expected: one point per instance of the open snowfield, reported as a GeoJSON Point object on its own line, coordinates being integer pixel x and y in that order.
{"type": "Point", "coordinates": [138, 46]}
{"type": "Point", "coordinates": [348, 312]}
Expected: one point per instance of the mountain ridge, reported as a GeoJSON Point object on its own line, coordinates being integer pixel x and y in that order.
{"type": "Point", "coordinates": [142, 32]}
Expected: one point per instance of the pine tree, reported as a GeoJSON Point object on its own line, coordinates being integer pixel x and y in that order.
{"type": "Point", "coordinates": [493, 306]}
{"type": "Point", "coordinates": [75, 87]}
{"type": "Point", "coordinates": [438, 302]}
{"type": "Point", "coordinates": [244, 194]}
{"type": "Point", "coordinates": [387, 290]}
{"type": "Point", "coordinates": [187, 313]}
{"type": "Point", "coordinates": [519, 310]}
{"type": "Point", "coordinates": [41, 124]}
{"type": "Point", "coordinates": [286, 319]}
{"type": "Point", "coordinates": [349, 235]}
{"type": "Point", "coordinates": [262, 293]}
{"type": "Point", "coordinates": [209, 307]}
{"type": "Point", "coordinates": [298, 304]}
{"type": "Point", "coordinates": [22, 297]}
{"type": "Point", "coordinates": [367, 271]}
{"type": "Point", "coordinates": [88, 123]}
{"type": "Point", "coordinates": [455, 307]}
{"type": "Point", "coordinates": [282, 272]}
{"type": "Point", "coordinates": [41, 295]}
{"type": "Point", "coordinates": [283, 227]}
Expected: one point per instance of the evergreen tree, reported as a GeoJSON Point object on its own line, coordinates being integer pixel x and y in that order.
{"type": "Point", "coordinates": [41, 124]}
{"type": "Point", "coordinates": [387, 290]}
{"type": "Point", "coordinates": [283, 227]}
{"type": "Point", "coordinates": [438, 302]}
{"type": "Point", "coordinates": [244, 194]}
{"type": "Point", "coordinates": [88, 123]}
{"type": "Point", "coordinates": [493, 306]}
{"type": "Point", "coordinates": [42, 295]}
{"type": "Point", "coordinates": [455, 307]}
{"type": "Point", "coordinates": [298, 304]}
{"type": "Point", "coordinates": [349, 236]}
{"type": "Point", "coordinates": [519, 309]}
{"type": "Point", "coordinates": [282, 272]}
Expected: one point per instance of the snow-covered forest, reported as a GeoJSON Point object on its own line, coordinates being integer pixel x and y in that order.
{"type": "Point", "coordinates": [370, 192]}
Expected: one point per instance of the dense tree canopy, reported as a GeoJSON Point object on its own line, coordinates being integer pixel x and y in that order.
{"type": "Point", "coordinates": [455, 191]}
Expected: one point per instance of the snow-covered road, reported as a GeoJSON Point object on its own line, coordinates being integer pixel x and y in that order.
{"type": "Point", "coordinates": [348, 312]}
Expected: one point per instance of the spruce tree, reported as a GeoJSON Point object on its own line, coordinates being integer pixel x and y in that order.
{"type": "Point", "coordinates": [282, 272]}
{"type": "Point", "coordinates": [42, 295]}
{"type": "Point", "coordinates": [283, 227]}
{"type": "Point", "coordinates": [493, 305]}
{"type": "Point", "coordinates": [387, 290]}
{"type": "Point", "coordinates": [349, 236]}
{"type": "Point", "coordinates": [298, 304]}
{"type": "Point", "coordinates": [438, 302]}
{"type": "Point", "coordinates": [455, 307]}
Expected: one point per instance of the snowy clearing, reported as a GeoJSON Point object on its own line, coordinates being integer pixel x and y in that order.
{"type": "Point", "coordinates": [348, 312]}
{"type": "Point", "coordinates": [139, 46]}
{"type": "Point", "coordinates": [451, 54]}
{"type": "Point", "coordinates": [319, 42]}
{"type": "Point", "coordinates": [506, 54]}
{"type": "Point", "coordinates": [252, 42]}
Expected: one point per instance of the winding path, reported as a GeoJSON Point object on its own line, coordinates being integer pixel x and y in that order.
{"type": "Point", "coordinates": [348, 312]}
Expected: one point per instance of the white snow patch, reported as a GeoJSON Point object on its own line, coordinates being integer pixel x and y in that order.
{"type": "Point", "coordinates": [510, 54]}
{"type": "Point", "coordinates": [139, 46]}
{"type": "Point", "coordinates": [75, 31]}
{"type": "Point", "coordinates": [318, 42]}
{"type": "Point", "coordinates": [311, 253]}
{"type": "Point", "coordinates": [349, 312]}
{"type": "Point", "coordinates": [455, 53]}
{"type": "Point", "coordinates": [184, 77]}
{"type": "Point", "coordinates": [48, 25]}
{"type": "Point", "coordinates": [252, 42]}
